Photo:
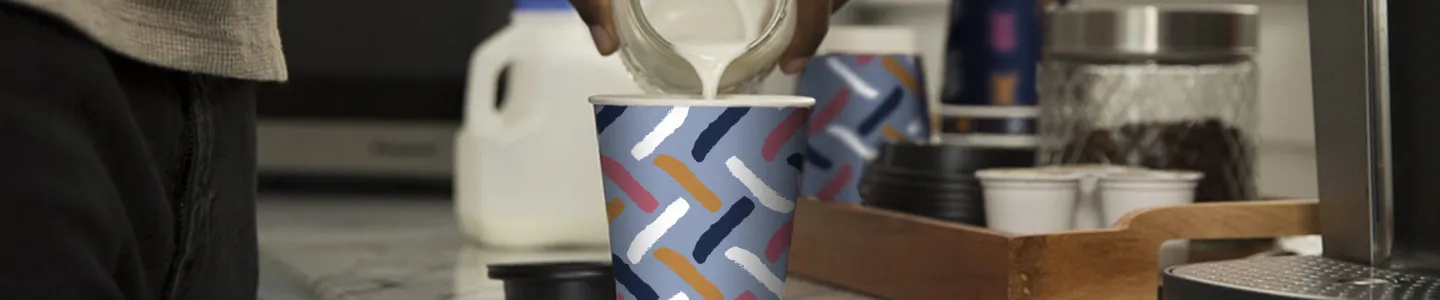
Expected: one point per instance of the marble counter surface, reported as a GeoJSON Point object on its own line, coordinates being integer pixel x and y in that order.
{"type": "Point", "coordinates": [382, 248]}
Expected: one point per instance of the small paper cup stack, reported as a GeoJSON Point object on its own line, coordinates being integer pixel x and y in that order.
{"type": "Point", "coordinates": [1057, 198]}
{"type": "Point", "coordinates": [1124, 192]}
{"type": "Point", "coordinates": [1030, 201]}
{"type": "Point", "coordinates": [1087, 207]}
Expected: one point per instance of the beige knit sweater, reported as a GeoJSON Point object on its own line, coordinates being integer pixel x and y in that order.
{"type": "Point", "coordinates": [230, 38]}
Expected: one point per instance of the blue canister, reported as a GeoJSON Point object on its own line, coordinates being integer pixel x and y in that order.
{"type": "Point", "coordinates": [992, 52]}
{"type": "Point", "coordinates": [863, 101]}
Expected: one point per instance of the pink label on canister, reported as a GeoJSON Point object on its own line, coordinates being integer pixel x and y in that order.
{"type": "Point", "coordinates": [1002, 31]}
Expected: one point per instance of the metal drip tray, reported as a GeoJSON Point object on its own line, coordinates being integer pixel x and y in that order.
{"type": "Point", "coordinates": [1294, 277]}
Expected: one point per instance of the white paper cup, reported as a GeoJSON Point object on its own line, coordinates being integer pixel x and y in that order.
{"type": "Point", "coordinates": [1087, 208]}
{"type": "Point", "coordinates": [1029, 201]}
{"type": "Point", "coordinates": [1125, 192]}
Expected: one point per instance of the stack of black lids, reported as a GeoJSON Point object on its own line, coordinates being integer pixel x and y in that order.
{"type": "Point", "coordinates": [936, 180]}
{"type": "Point", "coordinates": [556, 280]}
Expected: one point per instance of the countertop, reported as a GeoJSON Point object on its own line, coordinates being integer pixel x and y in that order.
{"type": "Point", "coordinates": [397, 247]}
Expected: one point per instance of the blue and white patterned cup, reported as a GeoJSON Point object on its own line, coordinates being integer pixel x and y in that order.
{"type": "Point", "coordinates": [700, 194]}
{"type": "Point", "coordinates": [862, 103]}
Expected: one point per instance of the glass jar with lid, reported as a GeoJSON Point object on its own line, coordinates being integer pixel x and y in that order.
{"type": "Point", "coordinates": [1159, 86]}
{"type": "Point", "coordinates": [644, 25]}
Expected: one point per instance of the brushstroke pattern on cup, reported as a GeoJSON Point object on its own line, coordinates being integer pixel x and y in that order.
{"type": "Point", "coordinates": [862, 103]}
{"type": "Point", "coordinates": [701, 197]}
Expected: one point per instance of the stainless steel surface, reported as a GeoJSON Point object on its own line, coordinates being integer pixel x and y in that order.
{"type": "Point", "coordinates": [1153, 31]}
{"type": "Point", "coordinates": [1382, 203]}
{"type": "Point", "coordinates": [1405, 35]}
{"type": "Point", "coordinates": [358, 148]}
{"type": "Point", "coordinates": [1343, 62]}
{"type": "Point", "coordinates": [1307, 277]}
{"type": "Point", "coordinates": [1376, 157]}
{"type": "Point", "coordinates": [1374, 64]}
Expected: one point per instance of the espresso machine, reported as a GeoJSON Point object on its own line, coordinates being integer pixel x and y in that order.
{"type": "Point", "coordinates": [1378, 148]}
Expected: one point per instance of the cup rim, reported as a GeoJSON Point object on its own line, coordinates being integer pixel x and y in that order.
{"type": "Point", "coordinates": [1028, 175]}
{"type": "Point", "coordinates": [1153, 176]}
{"type": "Point", "coordinates": [1096, 169]}
{"type": "Point", "coordinates": [696, 100]}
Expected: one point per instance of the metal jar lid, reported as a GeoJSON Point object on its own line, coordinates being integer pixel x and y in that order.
{"type": "Point", "coordinates": [1148, 31]}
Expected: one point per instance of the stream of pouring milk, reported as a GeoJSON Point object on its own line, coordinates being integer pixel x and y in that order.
{"type": "Point", "coordinates": [709, 34]}
{"type": "Point", "coordinates": [710, 60]}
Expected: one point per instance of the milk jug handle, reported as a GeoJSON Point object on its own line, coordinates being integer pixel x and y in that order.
{"type": "Point", "coordinates": [486, 63]}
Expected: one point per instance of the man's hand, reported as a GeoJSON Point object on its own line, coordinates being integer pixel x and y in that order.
{"type": "Point", "coordinates": [812, 20]}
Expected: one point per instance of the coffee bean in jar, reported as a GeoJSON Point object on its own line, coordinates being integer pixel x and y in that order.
{"type": "Point", "coordinates": [1224, 153]}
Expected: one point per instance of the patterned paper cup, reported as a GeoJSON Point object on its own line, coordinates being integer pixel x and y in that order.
{"type": "Point", "coordinates": [701, 193]}
{"type": "Point", "coordinates": [863, 103]}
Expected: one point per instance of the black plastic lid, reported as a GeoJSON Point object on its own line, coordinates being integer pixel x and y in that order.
{"type": "Point", "coordinates": [550, 270]}
{"type": "Point", "coordinates": [950, 159]}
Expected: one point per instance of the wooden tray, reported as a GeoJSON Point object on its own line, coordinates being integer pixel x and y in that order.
{"type": "Point", "coordinates": [899, 256]}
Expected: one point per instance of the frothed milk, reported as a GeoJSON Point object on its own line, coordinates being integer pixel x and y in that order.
{"type": "Point", "coordinates": [709, 34]}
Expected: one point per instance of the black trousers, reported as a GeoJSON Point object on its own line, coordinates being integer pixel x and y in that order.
{"type": "Point", "coordinates": [119, 180]}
